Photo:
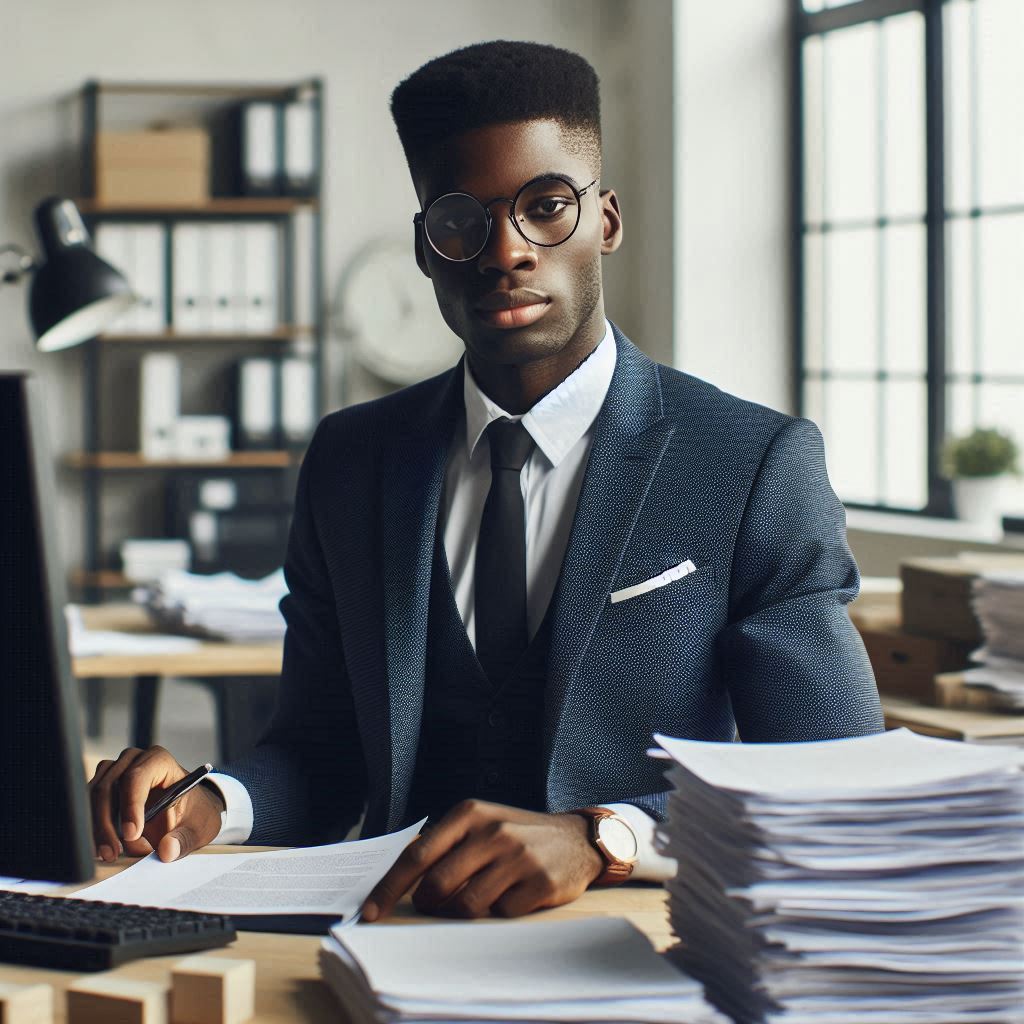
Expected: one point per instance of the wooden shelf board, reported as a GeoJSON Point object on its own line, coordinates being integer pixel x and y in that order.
{"type": "Point", "coordinates": [105, 579]}
{"type": "Point", "coordinates": [135, 460]}
{"type": "Point", "coordinates": [241, 90]}
{"type": "Point", "coordinates": [217, 205]}
{"type": "Point", "coordinates": [286, 332]}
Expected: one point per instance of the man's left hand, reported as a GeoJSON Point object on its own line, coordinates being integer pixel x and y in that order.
{"type": "Point", "coordinates": [483, 858]}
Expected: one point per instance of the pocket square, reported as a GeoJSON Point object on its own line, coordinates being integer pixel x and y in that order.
{"type": "Point", "coordinates": [677, 572]}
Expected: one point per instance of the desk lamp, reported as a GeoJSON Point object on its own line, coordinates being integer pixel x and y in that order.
{"type": "Point", "coordinates": [74, 294]}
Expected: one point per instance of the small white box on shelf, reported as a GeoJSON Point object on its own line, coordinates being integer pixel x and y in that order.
{"type": "Point", "coordinates": [201, 438]}
{"type": "Point", "coordinates": [146, 560]}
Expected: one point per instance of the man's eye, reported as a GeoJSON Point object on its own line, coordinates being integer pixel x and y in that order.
{"type": "Point", "coordinates": [550, 206]}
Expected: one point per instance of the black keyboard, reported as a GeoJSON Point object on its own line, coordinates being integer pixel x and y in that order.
{"type": "Point", "coordinates": [82, 935]}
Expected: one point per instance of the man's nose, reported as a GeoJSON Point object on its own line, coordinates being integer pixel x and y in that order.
{"type": "Point", "coordinates": [506, 249]}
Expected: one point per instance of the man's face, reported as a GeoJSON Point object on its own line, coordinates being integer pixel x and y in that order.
{"type": "Point", "coordinates": [555, 292]}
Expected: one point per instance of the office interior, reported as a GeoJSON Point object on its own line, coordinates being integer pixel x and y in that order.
{"type": "Point", "coordinates": [776, 163]}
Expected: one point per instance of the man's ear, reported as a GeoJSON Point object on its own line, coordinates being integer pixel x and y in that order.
{"type": "Point", "coordinates": [421, 259]}
{"type": "Point", "coordinates": [611, 222]}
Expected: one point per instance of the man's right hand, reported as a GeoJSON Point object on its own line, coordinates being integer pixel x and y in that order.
{"type": "Point", "coordinates": [120, 792]}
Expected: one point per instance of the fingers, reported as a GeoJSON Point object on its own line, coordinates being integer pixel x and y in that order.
{"type": "Point", "coordinates": [178, 843]}
{"type": "Point", "coordinates": [151, 769]}
{"type": "Point", "coordinates": [104, 802]}
{"type": "Point", "coordinates": [530, 894]}
{"type": "Point", "coordinates": [476, 897]}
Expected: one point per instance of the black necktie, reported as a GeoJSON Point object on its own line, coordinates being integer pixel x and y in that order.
{"type": "Point", "coordinates": [500, 577]}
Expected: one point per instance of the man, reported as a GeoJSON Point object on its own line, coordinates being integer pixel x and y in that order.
{"type": "Point", "coordinates": [505, 579]}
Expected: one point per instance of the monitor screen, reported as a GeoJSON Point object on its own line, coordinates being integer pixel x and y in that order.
{"type": "Point", "coordinates": [44, 817]}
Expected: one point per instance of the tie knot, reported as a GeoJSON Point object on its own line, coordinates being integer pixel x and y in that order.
{"type": "Point", "coordinates": [510, 443]}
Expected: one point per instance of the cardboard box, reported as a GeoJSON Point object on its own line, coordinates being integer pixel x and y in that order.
{"type": "Point", "coordinates": [907, 664]}
{"type": "Point", "coordinates": [954, 724]}
{"type": "Point", "coordinates": [169, 168]}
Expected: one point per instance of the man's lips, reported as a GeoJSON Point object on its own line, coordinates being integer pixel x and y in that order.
{"type": "Point", "coordinates": [516, 308]}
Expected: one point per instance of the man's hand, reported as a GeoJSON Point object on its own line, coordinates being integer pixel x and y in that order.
{"type": "Point", "coordinates": [485, 858]}
{"type": "Point", "coordinates": [123, 788]}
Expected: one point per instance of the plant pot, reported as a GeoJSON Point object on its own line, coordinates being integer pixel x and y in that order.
{"type": "Point", "coordinates": [977, 500]}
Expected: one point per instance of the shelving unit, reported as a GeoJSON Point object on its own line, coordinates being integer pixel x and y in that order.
{"type": "Point", "coordinates": [97, 577]}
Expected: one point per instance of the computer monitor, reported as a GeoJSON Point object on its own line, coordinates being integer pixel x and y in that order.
{"type": "Point", "coordinates": [44, 814]}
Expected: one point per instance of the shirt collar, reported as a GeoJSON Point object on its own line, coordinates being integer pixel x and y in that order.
{"type": "Point", "coordinates": [558, 421]}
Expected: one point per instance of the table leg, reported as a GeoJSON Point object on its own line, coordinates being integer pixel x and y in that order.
{"type": "Point", "coordinates": [144, 702]}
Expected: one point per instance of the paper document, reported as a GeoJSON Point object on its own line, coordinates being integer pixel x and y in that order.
{"type": "Point", "coordinates": [91, 643]}
{"type": "Point", "coordinates": [309, 882]}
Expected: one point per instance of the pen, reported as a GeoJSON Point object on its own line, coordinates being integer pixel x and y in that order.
{"type": "Point", "coordinates": [178, 790]}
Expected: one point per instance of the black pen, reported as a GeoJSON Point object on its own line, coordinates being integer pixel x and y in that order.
{"type": "Point", "coordinates": [178, 790]}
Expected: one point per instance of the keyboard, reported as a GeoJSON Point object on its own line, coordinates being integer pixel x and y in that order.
{"type": "Point", "coordinates": [83, 935]}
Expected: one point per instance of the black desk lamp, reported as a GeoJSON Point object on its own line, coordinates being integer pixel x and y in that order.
{"type": "Point", "coordinates": [74, 294]}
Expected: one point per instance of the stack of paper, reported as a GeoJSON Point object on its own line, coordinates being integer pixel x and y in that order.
{"type": "Point", "coordinates": [998, 602]}
{"type": "Point", "coordinates": [223, 606]}
{"type": "Point", "coordinates": [595, 969]}
{"type": "Point", "coordinates": [877, 879]}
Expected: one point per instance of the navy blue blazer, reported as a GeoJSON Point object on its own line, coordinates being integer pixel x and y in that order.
{"type": "Point", "coordinates": [757, 639]}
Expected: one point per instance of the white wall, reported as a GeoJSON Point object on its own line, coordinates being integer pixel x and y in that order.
{"type": "Point", "coordinates": [732, 275]}
{"type": "Point", "coordinates": [49, 47]}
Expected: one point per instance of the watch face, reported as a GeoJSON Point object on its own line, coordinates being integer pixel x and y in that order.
{"type": "Point", "coordinates": [618, 838]}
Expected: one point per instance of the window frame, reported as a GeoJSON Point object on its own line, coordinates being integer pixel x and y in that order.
{"type": "Point", "coordinates": [809, 24]}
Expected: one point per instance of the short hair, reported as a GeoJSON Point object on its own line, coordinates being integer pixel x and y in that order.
{"type": "Point", "coordinates": [497, 83]}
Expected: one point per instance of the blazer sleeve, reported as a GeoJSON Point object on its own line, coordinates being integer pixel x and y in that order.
{"type": "Point", "coordinates": [794, 665]}
{"type": "Point", "coordinates": [306, 778]}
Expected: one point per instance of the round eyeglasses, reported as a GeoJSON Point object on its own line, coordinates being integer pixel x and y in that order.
{"type": "Point", "coordinates": [545, 211]}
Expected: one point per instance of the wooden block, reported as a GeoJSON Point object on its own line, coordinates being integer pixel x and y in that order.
{"type": "Point", "coordinates": [213, 990]}
{"type": "Point", "coordinates": [26, 1004]}
{"type": "Point", "coordinates": [108, 999]}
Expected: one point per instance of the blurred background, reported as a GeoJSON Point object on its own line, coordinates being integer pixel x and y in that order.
{"type": "Point", "coordinates": [823, 208]}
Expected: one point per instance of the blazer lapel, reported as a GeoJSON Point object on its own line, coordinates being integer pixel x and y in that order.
{"type": "Point", "coordinates": [411, 495]}
{"type": "Point", "coordinates": [630, 438]}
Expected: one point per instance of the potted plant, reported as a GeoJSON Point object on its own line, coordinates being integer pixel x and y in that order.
{"type": "Point", "coordinates": [977, 464]}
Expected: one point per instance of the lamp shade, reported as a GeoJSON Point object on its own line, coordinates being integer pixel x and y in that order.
{"type": "Point", "coordinates": [74, 294]}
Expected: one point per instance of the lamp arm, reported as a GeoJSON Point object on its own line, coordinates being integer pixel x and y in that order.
{"type": "Point", "coordinates": [22, 265]}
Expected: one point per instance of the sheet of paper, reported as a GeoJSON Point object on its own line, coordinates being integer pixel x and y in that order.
{"type": "Point", "coordinates": [329, 880]}
{"type": "Point", "coordinates": [26, 885]}
{"type": "Point", "coordinates": [92, 643]}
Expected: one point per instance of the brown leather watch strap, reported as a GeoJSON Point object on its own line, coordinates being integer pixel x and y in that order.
{"type": "Point", "coordinates": [616, 870]}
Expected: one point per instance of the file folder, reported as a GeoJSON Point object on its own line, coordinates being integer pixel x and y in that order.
{"type": "Point", "coordinates": [298, 401]}
{"type": "Point", "coordinates": [110, 242]}
{"type": "Point", "coordinates": [260, 301]}
{"type": "Point", "coordinates": [259, 158]}
{"type": "Point", "coordinates": [159, 403]}
{"type": "Point", "coordinates": [147, 257]}
{"type": "Point", "coordinates": [304, 299]}
{"type": "Point", "coordinates": [224, 250]}
{"type": "Point", "coordinates": [189, 305]}
{"type": "Point", "coordinates": [256, 404]}
{"type": "Point", "coordinates": [299, 159]}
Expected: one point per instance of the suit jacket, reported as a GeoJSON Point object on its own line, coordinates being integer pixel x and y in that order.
{"type": "Point", "coordinates": [757, 639]}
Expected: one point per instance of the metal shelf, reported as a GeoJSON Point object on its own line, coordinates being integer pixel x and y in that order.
{"type": "Point", "coordinates": [136, 460]}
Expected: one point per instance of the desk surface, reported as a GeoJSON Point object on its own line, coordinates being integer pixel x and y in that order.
{"type": "Point", "coordinates": [288, 986]}
{"type": "Point", "coordinates": [212, 658]}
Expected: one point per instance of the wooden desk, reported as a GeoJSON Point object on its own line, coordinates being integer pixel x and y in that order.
{"type": "Point", "coordinates": [287, 977]}
{"type": "Point", "coordinates": [212, 659]}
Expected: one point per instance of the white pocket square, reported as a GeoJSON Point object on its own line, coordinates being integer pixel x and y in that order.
{"type": "Point", "coordinates": [677, 572]}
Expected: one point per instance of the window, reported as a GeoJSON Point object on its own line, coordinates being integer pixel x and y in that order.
{"type": "Point", "coordinates": [910, 206]}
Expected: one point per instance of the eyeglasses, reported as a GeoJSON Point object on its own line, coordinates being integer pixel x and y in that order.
{"type": "Point", "coordinates": [545, 211]}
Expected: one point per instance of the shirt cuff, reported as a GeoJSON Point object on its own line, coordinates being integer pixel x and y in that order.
{"type": "Point", "coordinates": [651, 866]}
{"type": "Point", "coordinates": [236, 818]}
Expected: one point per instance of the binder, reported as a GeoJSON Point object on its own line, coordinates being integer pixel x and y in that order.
{"type": "Point", "coordinates": [304, 300]}
{"type": "Point", "coordinates": [147, 246]}
{"type": "Point", "coordinates": [159, 398]}
{"type": "Point", "coordinates": [189, 306]}
{"type": "Point", "coordinates": [299, 157]}
{"type": "Point", "coordinates": [261, 300]}
{"type": "Point", "coordinates": [259, 157]}
{"type": "Point", "coordinates": [224, 250]}
{"type": "Point", "coordinates": [298, 401]}
{"type": "Point", "coordinates": [256, 404]}
{"type": "Point", "coordinates": [110, 243]}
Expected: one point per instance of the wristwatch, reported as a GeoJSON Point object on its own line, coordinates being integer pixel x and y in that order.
{"type": "Point", "coordinates": [613, 838]}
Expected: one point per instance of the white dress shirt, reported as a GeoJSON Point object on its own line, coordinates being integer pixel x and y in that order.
{"type": "Point", "coordinates": [562, 427]}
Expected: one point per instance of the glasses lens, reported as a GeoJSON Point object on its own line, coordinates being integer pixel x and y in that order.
{"type": "Point", "coordinates": [547, 211]}
{"type": "Point", "coordinates": [456, 226]}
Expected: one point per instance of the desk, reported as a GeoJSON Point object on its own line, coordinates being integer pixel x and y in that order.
{"type": "Point", "coordinates": [287, 979]}
{"type": "Point", "coordinates": [212, 659]}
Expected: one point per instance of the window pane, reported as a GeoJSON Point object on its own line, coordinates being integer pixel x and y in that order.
{"type": "Point", "coordinates": [960, 294]}
{"type": "Point", "coordinates": [814, 285]}
{"type": "Point", "coordinates": [906, 445]}
{"type": "Point", "coordinates": [905, 299]}
{"type": "Point", "coordinates": [851, 119]}
{"type": "Point", "coordinates": [813, 130]}
{"type": "Point", "coordinates": [814, 402]}
{"type": "Point", "coordinates": [904, 115]}
{"type": "Point", "coordinates": [851, 299]}
{"type": "Point", "coordinates": [851, 438]}
{"type": "Point", "coordinates": [960, 401]}
{"type": "Point", "coordinates": [1000, 101]}
{"type": "Point", "coordinates": [1001, 252]}
{"type": "Point", "coordinates": [959, 101]}
{"type": "Point", "coordinates": [1002, 406]}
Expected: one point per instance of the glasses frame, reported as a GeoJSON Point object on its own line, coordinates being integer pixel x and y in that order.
{"type": "Point", "coordinates": [420, 218]}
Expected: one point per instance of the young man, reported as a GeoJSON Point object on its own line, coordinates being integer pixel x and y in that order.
{"type": "Point", "coordinates": [505, 579]}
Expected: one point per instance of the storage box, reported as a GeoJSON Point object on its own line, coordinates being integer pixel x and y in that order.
{"type": "Point", "coordinates": [169, 168]}
{"type": "Point", "coordinates": [907, 664]}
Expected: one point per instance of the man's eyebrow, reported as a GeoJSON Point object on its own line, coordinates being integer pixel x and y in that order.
{"type": "Point", "coordinates": [561, 175]}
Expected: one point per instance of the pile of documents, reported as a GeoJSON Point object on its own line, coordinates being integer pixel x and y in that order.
{"type": "Point", "coordinates": [998, 602]}
{"type": "Point", "coordinates": [222, 606]}
{"type": "Point", "coordinates": [595, 969]}
{"type": "Point", "coordinates": [877, 879]}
